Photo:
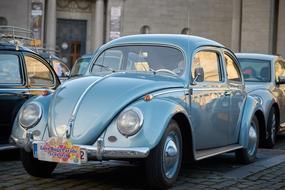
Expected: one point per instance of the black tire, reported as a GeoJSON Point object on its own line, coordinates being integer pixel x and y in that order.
{"type": "Point", "coordinates": [35, 167]}
{"type": "Point", "coordinates": [247, 155]}
{"type": "Point", "coordinates": [155, 169]}
{"type": "Point", "coordinates": [272, 127]}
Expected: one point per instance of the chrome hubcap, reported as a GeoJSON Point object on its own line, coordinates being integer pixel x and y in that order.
{"type": "Point", "coordinates": [252, 141]}
{"type": "Point", "coordinates": [171, 155]}
{"type": "Point", "coordinates": [273, 127]}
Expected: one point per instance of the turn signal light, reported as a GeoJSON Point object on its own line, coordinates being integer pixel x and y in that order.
{"type": "Point", "coordinates": [148, 97]}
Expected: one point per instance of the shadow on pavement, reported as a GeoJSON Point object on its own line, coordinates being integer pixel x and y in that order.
{"type": "Point", "coordinates": [9, 155]}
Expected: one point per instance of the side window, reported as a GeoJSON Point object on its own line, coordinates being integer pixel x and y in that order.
{"type": "Point", "coordinates": [207, 64]}
{"type": "Point", "coordinates": [279, 69]}
{"type": "Point", "coordinates": [232, 69]}
{"type": "Point", "coordinates": [10, 71]}
{"type": "Point", "coordinates": [38, 73]}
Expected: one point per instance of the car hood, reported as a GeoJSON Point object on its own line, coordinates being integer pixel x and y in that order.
{"type": "Point", "coordinates": [102, 100]}
{"type": "Point", "coordinates": [253, 86]}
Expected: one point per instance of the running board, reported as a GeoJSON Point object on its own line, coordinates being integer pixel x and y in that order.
{"type": "Point", "coordinates": [7, 147]}
{"type": "Point", "coordinates": [201, 154]}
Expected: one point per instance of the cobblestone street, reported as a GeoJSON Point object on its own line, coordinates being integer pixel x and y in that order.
{"type": "Point", "coordinates": [220, 172]}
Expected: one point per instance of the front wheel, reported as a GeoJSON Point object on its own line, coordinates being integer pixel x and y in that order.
{"type": "Point", "coordinates": [163, 164]}
{"type": "Point", "coordinates": [247, 154]}
{"type": "Point", "coordinates": [36, 167]}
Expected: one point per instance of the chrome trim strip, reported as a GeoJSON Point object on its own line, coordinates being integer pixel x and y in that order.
{"type": "Point", "coordinates": [218, 152]}
{"type": "Point", "coordinates": [210, 89]}
{"type": "Point", "coordinates": [7, 147]}
{"type": "Point", "coordinates": [170, 91]}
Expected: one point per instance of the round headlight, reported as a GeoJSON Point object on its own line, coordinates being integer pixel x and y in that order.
{"type": "Point", "coordinates": [130, 121]}
{"type": "Point", "coordinates": [30, 114]}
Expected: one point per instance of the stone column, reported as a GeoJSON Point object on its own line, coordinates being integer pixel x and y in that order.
{"type": "Point", "coordinates": [281, 29]}
{"type": "Point", "coordinates": [51, 24]}
{"type": "Point", "coordinates": [236, 25]}
{"type": "Point", "coordinates": [98, 32]}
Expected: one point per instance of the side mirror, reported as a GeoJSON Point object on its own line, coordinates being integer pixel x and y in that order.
{"type": "Point", "coordinates": [281, 80]}
{"type": "Point", "coordinates": [67, 74]}
{"type": "Point", "coordinates": [198, 75]}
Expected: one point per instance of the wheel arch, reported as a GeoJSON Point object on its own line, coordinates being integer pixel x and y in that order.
{"type": "Point", "coordinates": [276, 107]}
{"type": "Point", "coordinates": [187, 136]}
{"type": "Point", "coordinates": [252, 108]}
{"type": "Point", "coordinates": [262, 127]}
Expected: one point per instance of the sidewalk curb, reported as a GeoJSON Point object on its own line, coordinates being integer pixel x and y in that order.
{"type": "Point", "coordinates": [255, 167]}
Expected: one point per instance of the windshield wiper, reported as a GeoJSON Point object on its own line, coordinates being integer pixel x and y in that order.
{"type": "Point", "coordinates": [105, 67]}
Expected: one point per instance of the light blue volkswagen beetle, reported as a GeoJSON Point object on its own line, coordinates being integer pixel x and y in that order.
{"type": "Point", "coordinates": [160, 99]}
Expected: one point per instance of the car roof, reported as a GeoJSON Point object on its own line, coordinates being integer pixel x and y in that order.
{"type": "Point", "coordinates": [9, 46]}
{"type": "Point", "coordinates": [180, 40]}
{"type": "Point", "coordinates": [260, 56]}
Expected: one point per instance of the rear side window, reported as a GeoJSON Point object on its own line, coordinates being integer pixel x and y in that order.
{"type": "Point", "coordinates": [208, 63]}
{"type": "Point", "coordinates": [38, 73]}
{"type": "Point", "coordinates": [10, 70]}
{"type": "Point", "coordinates": [232, 69]}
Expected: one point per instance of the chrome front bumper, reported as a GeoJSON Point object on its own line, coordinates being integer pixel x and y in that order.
{"type": "Point", "coordinates": [94, 152]}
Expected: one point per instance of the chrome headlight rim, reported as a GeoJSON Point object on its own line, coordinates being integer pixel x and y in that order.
{"type": "Point", "coordinates": [34, 123]}
{"type": "Point", "coordinates": [139, 125]}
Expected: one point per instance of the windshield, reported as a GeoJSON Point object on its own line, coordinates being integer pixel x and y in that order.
{"type": "Point", "coordinates": [80, 66]}
{"type": "Point", "coordinates": [140, 59]}
{"type": "Point", "coordinates": [255, 70]}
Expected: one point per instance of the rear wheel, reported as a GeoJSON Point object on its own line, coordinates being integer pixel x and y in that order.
{"type": "Point", "coordinates": [272, 125]}
{"type": "Point", "coordinates": [163, 164]}
{"type": "Point", "coordinates": [247, 154]}
{"type": "Point", "coordinates": [36, 167]}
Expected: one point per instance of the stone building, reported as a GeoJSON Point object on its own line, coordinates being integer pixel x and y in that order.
{"type": "Point", "coordinates": [76, 27]}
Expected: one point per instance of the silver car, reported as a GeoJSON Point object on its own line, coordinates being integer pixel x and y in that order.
{"type": "Point", "coordinates": [265, 79]}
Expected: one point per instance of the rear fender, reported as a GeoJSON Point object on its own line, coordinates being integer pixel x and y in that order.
{"type": "Point", "coordinates": [251, 108]}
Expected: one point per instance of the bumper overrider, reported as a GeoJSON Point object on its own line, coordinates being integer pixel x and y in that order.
{"type": "Point", "coordinates": [97, 151]}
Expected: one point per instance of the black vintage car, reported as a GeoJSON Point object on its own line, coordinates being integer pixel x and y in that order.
{"type": "Point", "coordinates": [23, 74]}
{"type": "Point", "coordinates": [61, 69]}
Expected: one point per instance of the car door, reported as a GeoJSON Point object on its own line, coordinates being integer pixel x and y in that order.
{"type": "Point", "coordinates": [40, 75]}
{"type": "Point", "coordinates": [13, 91]}
{"type": "Point", "coordinates": [210, 99]}
{"type": "Point", "coordinates": [237, 95]}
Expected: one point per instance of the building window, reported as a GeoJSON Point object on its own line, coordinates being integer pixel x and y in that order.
{"type": "Point", "coordinates": [185, 31]}
{"type": "Point", "coordinates": [145, 29]}
{"type": "Point", "coordinates": [3, 21]}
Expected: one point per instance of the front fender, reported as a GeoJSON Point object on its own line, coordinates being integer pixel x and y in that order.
{"type": "Point", "coordinates": [251, 107]}
{"type": "Point", "coordinates": [157, 114]}
{"type": "Point", "coordinates": [268, 100]}
{"type": "Point", "coordinates": [21, 136]}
